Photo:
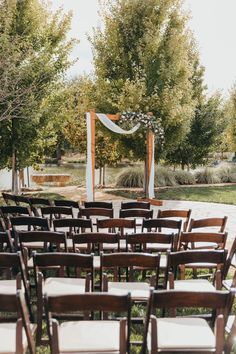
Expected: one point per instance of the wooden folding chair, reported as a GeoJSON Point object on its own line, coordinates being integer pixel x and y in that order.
{"type": "Point", "coordinates": [211, 240]}
{"type": "Point", "coordinates": [9, 199]}
{"type": "Point", "coordinates": [130, 263]}
{"type": "Point", "coordinates": [161, 225]}
{"type": "Point", "coordinates": [161, 242]}
{"type": "Point", "coordinates": [27, 223]}
{"type": "Point", "coordinates": [197, 259]}
{"type": "Point", "coordinates": [36, 203]}
{"type": "Point", "coordinates": [183, 334]}
{"type": "Point", "coordinates": [68, 203]}
{"type": "Point", "coordinates": [61, 285]}
{"type": "Point", "coordinates": [13, 210]}
{"type": "Point", "coordinates": [119, 226]}
{"type": "Point", "coordinates": [184, 215]}
{"type": "Point", "coordinates": [135, 205]}
{"type": "Point", "coordinates": [95, 213]}
{"type": "Point", "coordinates": [56, 212]}
{"type": "Point", "coordinates": [96, 243]}
{"type": "Point", "coordinates": [72, 226]}
{"type": "Point", "coordinates": [16, 332]}
{"type": "Point", "coordinates": [137, 214]}
{"type": "Point", "coordinates": [104, 205]}
{"type": "Point", "coordinates": [6, 244]}
{"type": "Point", "coordinates": [86, 336]}
{"type": "Point", "coordinates": [14, 276]}
{"type": "Point", "coordinates": [217, 224]}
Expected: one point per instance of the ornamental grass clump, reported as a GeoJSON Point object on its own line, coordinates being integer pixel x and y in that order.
{"type": "Point", "coordinates": [164, 177]}
{"type": "Point", "coordinates": [227, 174]}
{"type": "Point", "coordinates": [207, 176]}
{"type": "Point", "coordinates": [184, 177]}
{"type": "Point", "coordinates": [131, 177]}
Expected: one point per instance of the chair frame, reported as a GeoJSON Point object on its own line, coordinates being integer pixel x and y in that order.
{"type": "Point", "coordinates": [219, 301]}
{"type": "Point", "coordinates": [176, 213]}
{"type": "Point", "coordinates": [90, 302]}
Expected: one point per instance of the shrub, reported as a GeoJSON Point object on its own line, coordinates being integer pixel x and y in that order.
{"type": "Point", "coordinates": [184, 177]}
{"type": "Point", "coordinates": [131, 177]}
{"type": "Point", "coordinates": [207, 176]}
{"type": "Point", "coordinates": [164, 177]}
{"type": "Point", "coordinates": [227, 174]}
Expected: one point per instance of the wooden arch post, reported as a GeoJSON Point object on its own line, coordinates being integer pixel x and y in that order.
{"type": "Point", "coordinates": [93, 118]}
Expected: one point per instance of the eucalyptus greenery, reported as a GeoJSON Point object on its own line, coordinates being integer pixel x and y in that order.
{"type": "Point", "coordinates": [147, 121]}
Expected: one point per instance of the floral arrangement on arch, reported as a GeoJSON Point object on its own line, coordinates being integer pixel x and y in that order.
{"type": "Point", "coordinates": [148, 121]}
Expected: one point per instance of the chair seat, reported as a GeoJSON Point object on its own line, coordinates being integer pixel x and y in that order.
{"type": "Point", "coordinates": [184, 334]}
{"type": "Point", "coordinates": [227, 283]}
{"type": "Point", "coordinates": [158, 246]}
{"type": "Point", "coordinates": [75, 337]}
{"type": "Point", "coordinates": [138, 290]}
{"type": "Point", "coordinates": [193, 285]}
{"type": "Point", "coordinates": [64, 286]}
{"type": "Point", "coordinates": [163, 261]}
{"type": "Point", "coordinates": [69, 243]}
{"type": "Point", "coordinates": [9, 286]}
{"type": "Point", "coordinates": [8, 338]}
{"type": "Point", "coordinates": [34, 245]}
{"type": "Point", "coordinates": [201, 265]}
{"type": "Point", "coordinates": [203, 245]}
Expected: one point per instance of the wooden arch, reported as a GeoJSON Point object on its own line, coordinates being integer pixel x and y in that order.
{"type": "Point", "coordinates": [149, 153]}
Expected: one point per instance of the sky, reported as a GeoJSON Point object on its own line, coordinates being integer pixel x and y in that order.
{"type": "Point", "coordinates": [212, 21]}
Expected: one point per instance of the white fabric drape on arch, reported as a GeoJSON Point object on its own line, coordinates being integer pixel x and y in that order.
{"type": "Point", "coordinates": [116, 129]}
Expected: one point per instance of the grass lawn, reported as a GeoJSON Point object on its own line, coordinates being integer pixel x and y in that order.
{"type": "Point", "coordinates": [214, 194]}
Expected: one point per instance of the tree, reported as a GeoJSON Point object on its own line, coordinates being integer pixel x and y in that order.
{"type": "Point", "coordinates": [206, 128]}
{"type": "Point", "coordinates": [34, 50]}
{"type": "Point", "coordinates": [143, 63]}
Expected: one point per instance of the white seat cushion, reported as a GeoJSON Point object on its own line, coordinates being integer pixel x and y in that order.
{"type": "Point", "coordinates": [89, 336]}
{"type": "Point", "coordinates": [8, 338]}
{"type": "Point", "coordinates": [184, 334]}
{"type": "Point", "coordinates": [9, 286]}
{"type": "Point", "coordinates": [138, 290]}
{"type": "Point", "coordinates": [163, 261]}
{"type": "Point", "coordinates": [193, 285]}
{"type": "Point", "coordinates": [64, 286]}
{"type": "Point", "coordinates": [229, 323]}
{"type": "Point", "coordinates": [33, 245]}
{"type": "Point", "coordinates": [159, 246]}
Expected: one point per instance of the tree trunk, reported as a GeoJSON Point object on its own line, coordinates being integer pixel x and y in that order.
{"type": "Point", "coordinates": [104, 177]}
{"type": "Point", "coordinates": [100, 176]}
{"type": "Point", "coordinates": [14, 173]}
{"type": "Point", "coordinates": [58, 155]}
{"type": "Point", "coordinates": [182, 166]}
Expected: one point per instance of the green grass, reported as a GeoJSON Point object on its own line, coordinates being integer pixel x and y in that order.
{"type": "Point", "coordinates": [213, 194]}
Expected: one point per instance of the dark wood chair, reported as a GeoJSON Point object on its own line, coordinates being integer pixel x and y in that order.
{"type": "Point", "coordinates": [37, 203]}
{"type": "Point", "coordinates": [72, 226]}
{"type": "Point", "coordinates": [56, 212]}
{"type": "Point", "coordinates": [66, 203]}
{"type": "Point", "coordinates": [16, 331]}
{"type": "Point", "coordinates": [217, 224]}
{"type": "Point", "coordinates": [216, 240]}
{"type": "Point", "coordinates": [27, 223]}
{"type": "Point", "coordinates": [197, 259]}
{"type": "Point", "coordinates": [96, 242]}
{"type": "Point", "coordinates": [14, 276]}
{"type": "Point", "coordinates": [130, 263]}
{"type": "Point", "coordinates": [95, 213]}
{"type": "Point", "coordinates": [162, 242]}
{"type": "Point", "coordinates": [97, 336]}
{"type": "Point", "coordinates": [161, 225]}
{"type": "Point", "coordinates": [6, 212]}
{"type": "Point", "coordinates": [43, 241]}
{"type": "Point", "coordinates": [104, 205]}
{"type": "Point", "coordinates": [62, 284]}
{"type": "Point", "coordinates": [135, 205]}
{"type": "Point", "coordinates": [184, 215]}
{"type": "Point", "coordinates": [2, 225]}
{"type": "Point", "coordinates": [137, 214]}
{"type": "Point", "coordinates": [9, 199]}
{"type": "Point", "coordinates": [119, 226]}
{"type": "Point", "coordinates": [183, 334]}
{"type": "Point", "coordinates": [6, 244]}
{"type": "Point", "coordinates": [22, 200]}
{"type": "Point", "coordinates": [230, 263]}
